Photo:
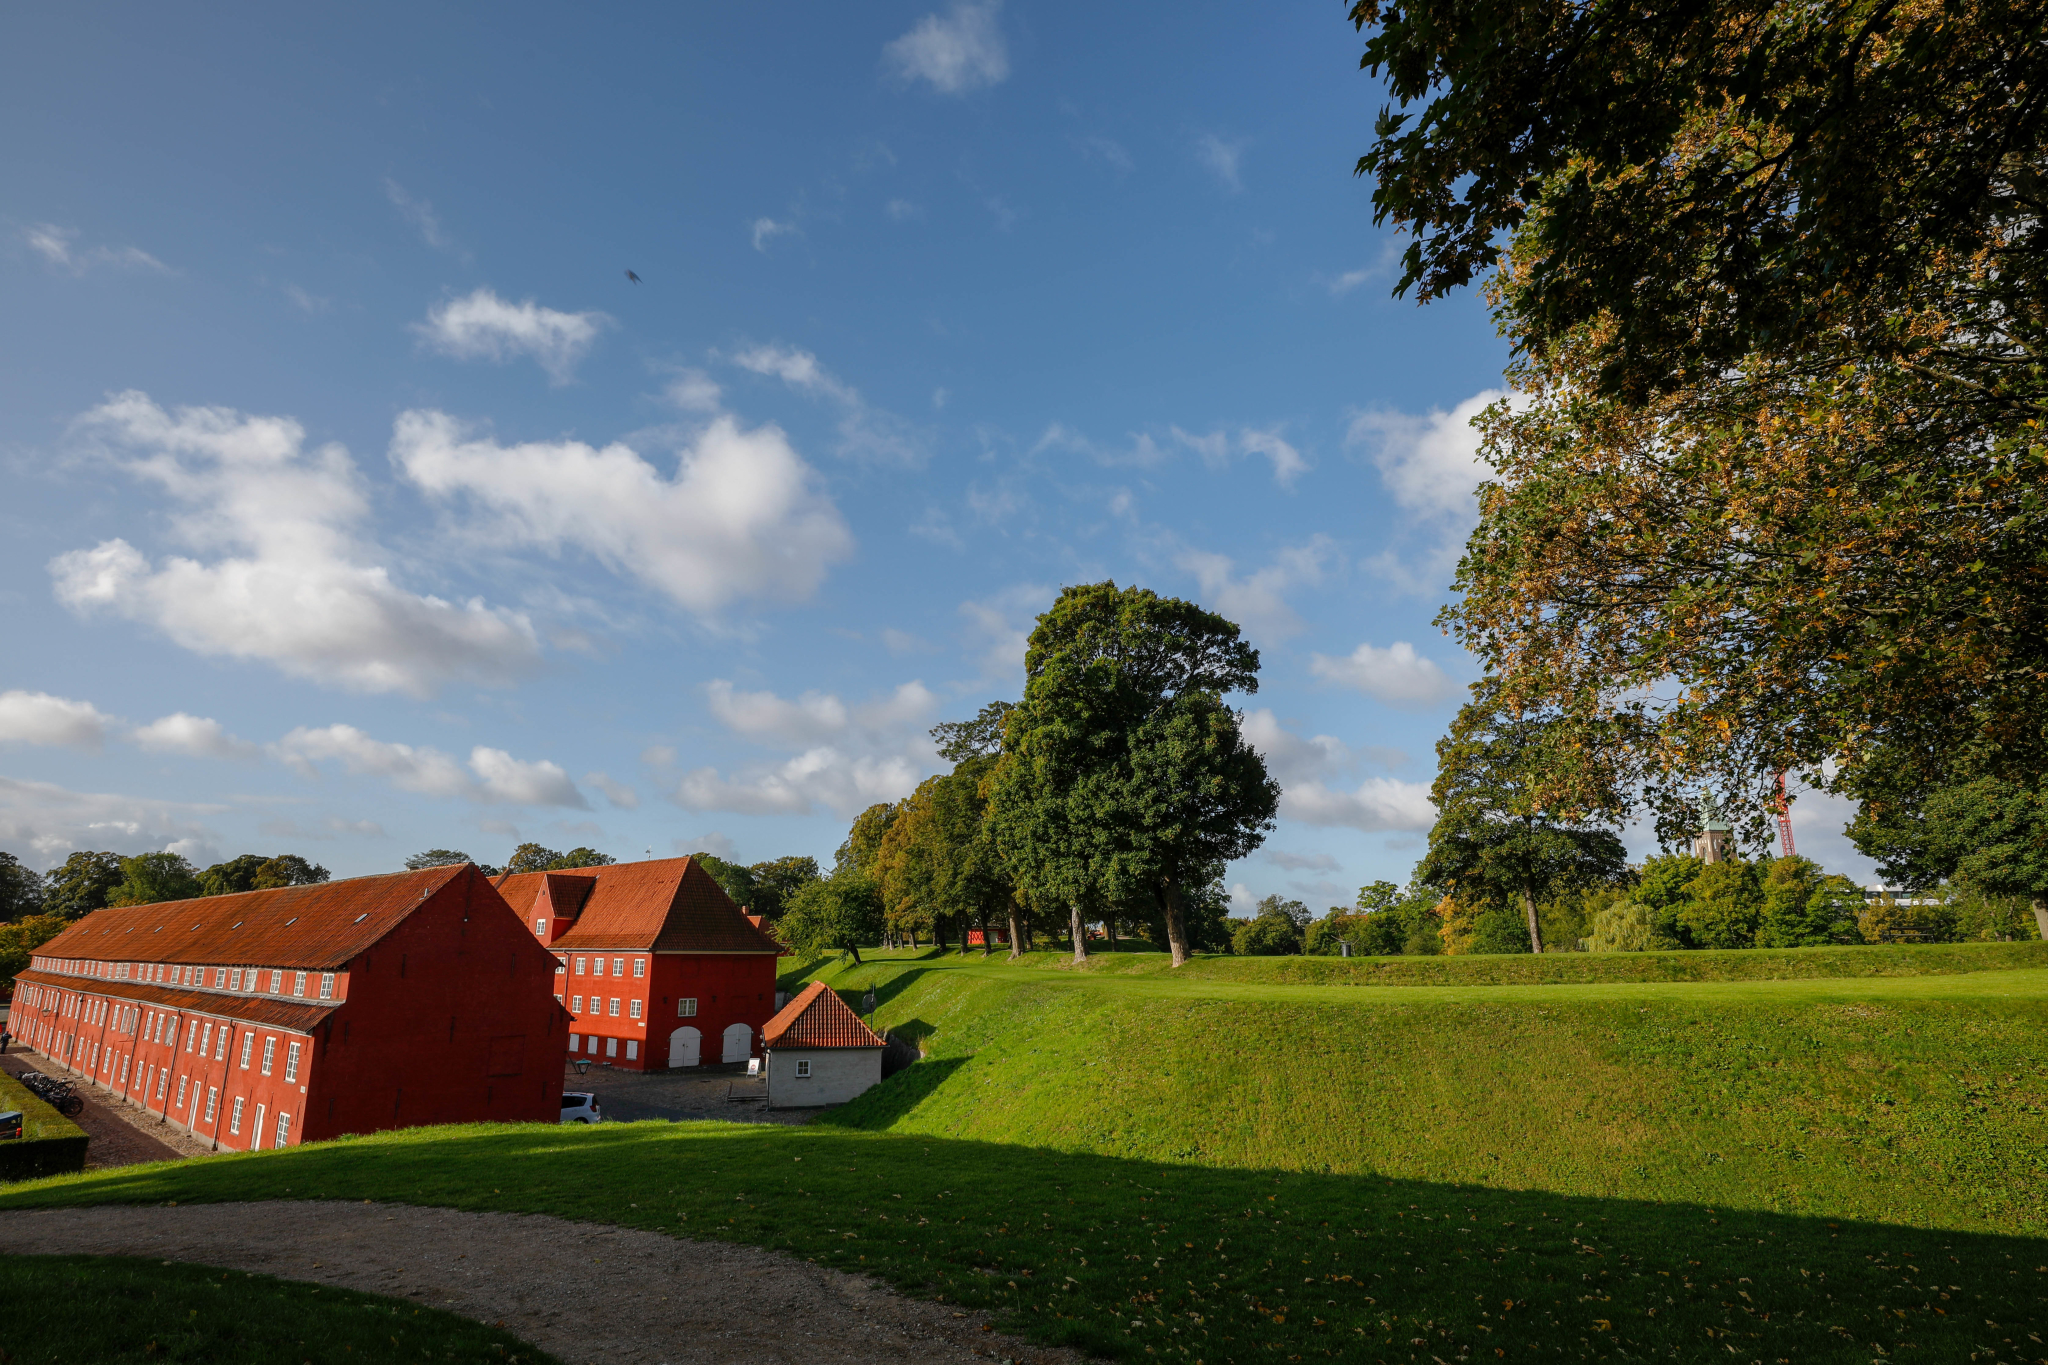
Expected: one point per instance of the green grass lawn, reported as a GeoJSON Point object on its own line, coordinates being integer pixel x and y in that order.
{"type": "Point", "coordinates": [114, 1310]}
{"type": "Point", "coordinates": [1218, 1166]}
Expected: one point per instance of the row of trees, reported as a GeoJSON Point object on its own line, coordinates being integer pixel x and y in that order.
{"type": "Point", "coordinates": [1113, 793]}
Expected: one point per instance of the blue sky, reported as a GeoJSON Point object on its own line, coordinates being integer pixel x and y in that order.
{"type": "Point", "coordinates": [359, 503]}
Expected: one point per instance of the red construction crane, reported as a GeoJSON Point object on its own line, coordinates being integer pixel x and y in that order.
{"type": "Point", "coordinates": [1784, 821]}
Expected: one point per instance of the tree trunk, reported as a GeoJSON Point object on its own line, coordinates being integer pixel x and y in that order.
{"type": "Point", "coordinates": [983, 923]}
{"type": "Point", "coordinates": [2041, 916]}
{"type": "Point", "coordinates": [1016, 934]}
{"type": "Point", "coordinates": [855, 950]}
{"type": "Point", "coordinates": [1176, 923]}
{"type": "Point", "coordinates": [1535, 931]}
{"type": "Point", "coordinates": [1080, 931]}
{"type": "Point", "coordinates": [1109, 926]}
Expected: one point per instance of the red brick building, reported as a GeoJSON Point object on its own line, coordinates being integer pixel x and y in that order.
{"type": "Point", "coordinates": [269, 1018]}
{"type": "Point", "coordinates": [658, 966]}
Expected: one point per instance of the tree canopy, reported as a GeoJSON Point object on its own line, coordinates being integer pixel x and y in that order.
{"type": "Point", "coordinates": [1124, 773]}
{"type": "Point", "coordinates": [1502, 841]}
{"type": "Point", "coordinates": [81, 884]}
{"type": "Point", "coordinates": [21, 889]}
{"type": "Point", "coordinates": [257, 872]}
{"type": "Point", "coordinates": [148, 878]}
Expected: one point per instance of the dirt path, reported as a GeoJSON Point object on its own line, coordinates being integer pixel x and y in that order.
{"type": "Point", "coordinates": [591, 1295]}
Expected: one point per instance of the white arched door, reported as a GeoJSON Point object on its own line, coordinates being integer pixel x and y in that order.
{"type": "Point", "coordinates": [685, 1047]}
{"type": "Point", "coordinates": [739, 1041]}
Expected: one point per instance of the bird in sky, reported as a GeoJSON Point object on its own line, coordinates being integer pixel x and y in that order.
{"type": "Point", "coordinates": [631, 276]}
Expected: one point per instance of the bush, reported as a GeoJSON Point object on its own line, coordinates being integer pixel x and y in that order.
{"type": "Point", "coordinates": [1275, 932]}
{"type": "Point", "coordinates": [1625, 927]}
{"type": "Point", "coordinates": [1724, 905]}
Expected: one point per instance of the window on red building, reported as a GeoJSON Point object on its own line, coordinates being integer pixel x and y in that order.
{"type": "Point", "coordinates": [277, 983]}
{"type": "Point", "coordinates": [618, 966]}
{"type": "Point", "coordinates": [299, 985]}
{"type": "Point", "coordinates": [597, 966]}
{"type": "Point", "coordinates": [686, 1008]}
{"type": "Point", "coordinates": [291, 1062]}
{"type": "Point", "coordinates": [639, 966]}
{"type": "Point", "coordinates": [235, 1116]}
{"type": "Point", "coordinates": [269, 1051]}
{"type": "Point", "coordinates": [632, 1009]}
{"type": "Point", "coordinates": [248, 1041]}
{"type": "Point", "coordinates": [615, 1007]}
{"type": "Point", "coordinates": [327, 985]}
{"type": "Point", "coordinates": [540, 927]}
{"type": "Point", "coordinates": [579, 966]}
{"type": "Point", "coordinates": [212, 1097]}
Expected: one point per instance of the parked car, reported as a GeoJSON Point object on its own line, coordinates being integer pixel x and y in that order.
{"type": "Point", "coordinates": [580, 1106]}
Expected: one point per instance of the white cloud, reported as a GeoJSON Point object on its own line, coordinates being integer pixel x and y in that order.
{"type": "Point", "coordinates": [179, 733]}
{"type": "Point", "coordinates": [39, 718]}
{"type": "Point", "coordinates": [960, 52]}
{"type": "Point", "coordinates": [1143, 452]}
{"type": "Point", "coordinates": [851, 756]}
{"type": "Point", "coordinates": [1225, 159]}
{"type": "Point", "coordinates": [303, 594]}
{"type": "Point", "coordinates": [865, 431]}
{"type": "Point", "coordinates": [743, 517]}
{"type": "Point", "coordinates": [55, 245]}
{"type": "Point", "coordinates": [1302, 767]}
{"type": "Point", "coordinates": [712, 842]}
{"type": "Point", "coordinates": [692, 390]}
{"type": "Point", "coordinates": [1242, 902]}
{"type": "Point", "coordinates": [1396, 675]}
{"type": "Point", "coordinates": [1302, 862]}
{"type": "Point", "coordinates": [1257, 600]}
{"type": "Point", "coordinates": [766, 230]}
{"type": "Point", "coordinates": [1287, 462]}
{"type": "Point", "coordinates": [50, 822]}
{"type": "Point", "coordinates": [482, 326]}
{"type": "Point", "coordinates": [492, 777]}
{"type": "Point", "coordinates": [618, 793]}
{"type": "Point", "coordinates": [1216, 447]}
{"type": "Point", "coordinates": [1000, 628]}
{"type": "Point", "coordinates": [903, 211]}
{"type": "Point", "coordinates": [420, 213]}
{"type": "Point", "coordinates": [1343, 284]}
{"type": "Point", "coordinates": [1430, 465]}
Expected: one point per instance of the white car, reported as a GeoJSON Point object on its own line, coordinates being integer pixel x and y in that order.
{"type": "Point", "coordinates": [580, 1106]}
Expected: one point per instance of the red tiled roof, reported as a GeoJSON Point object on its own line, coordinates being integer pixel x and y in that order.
{"type": "Point", "coordinates": [818, 1018]}
{"type": "Point", "coordinates": [322, 926]}
{"type": "Point", "coordinates": [667, 905]}
{"type": "Point", "coordinates": [302, 1016]}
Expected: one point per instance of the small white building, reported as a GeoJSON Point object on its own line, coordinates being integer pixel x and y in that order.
{"type": "Point", "coordinates": [819, 1051]}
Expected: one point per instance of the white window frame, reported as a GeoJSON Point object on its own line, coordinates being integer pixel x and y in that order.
{"type": "Point", "coordinates": [540, 926]}
{"type": "Point", "coordinates": [235, 1114]}
{"type": "Point", "coordinates": [269, 1054]}
{"type": "Point", "coordinates": [615, 1007]}
{"type": "Point", "coordinates": [276, 982]}
{"type": "Point", "coordinates": [597, 966]}
{"type": "Point", "coordinates": [291, 1060]}
{"type": "Point", "coordinates": [686, 1007]}
{"type": "Point", "coordinates": [618, 966]}
{"type": "Point", "coordinates": [220, 1045]}
{"type": "Point", "coordinates": [327, 985]}
{"type": "Point", "coordinates": [632, 1009]}
{"type": "Point", "coordinates": [299, 985]}
{"type": "Point", "coordinates": [284, 1130]}
{"type": "Point", "coordinates": [212, 1100]}
{"type": "Point", "coordinates": [235, 979]}
{"type": "Point", "coordinates": [580, 963]}
{"type": "Point", "coordinates": [575, 1004]}
{"type": "Point", "coordinates": [639, 967]}
{"type": "Point", "coordinates": [803, 1068]}
{"type": "Point", "coordinates": [248, 1044]}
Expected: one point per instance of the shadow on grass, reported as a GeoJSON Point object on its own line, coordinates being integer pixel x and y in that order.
{"type": "Point", "coordinates": [1139, 1259]}
{"type": "Point", "coordinates": [896, 1096]}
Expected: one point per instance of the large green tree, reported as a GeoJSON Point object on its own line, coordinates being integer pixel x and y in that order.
{"type": "Point", "coordinates": [81, 884]}
{"type": "Point", "coordinates": [1503, 839]}
{"type": "Point", "coordinates": [737, 881]}
{"type": "Point", "coordinates": [148, 878]}
{"type": "Point", "coordinates": [841, 911]}
{"type": "Point", "coordinates": [21, 889]}
{"type": "Point", "coordinates": [257, 872]}
{"type": "Point", "coordinates": [1771, 480]}
{"type": "Point", "coordinates": [1124, 772]}
{"type": "Point", "coordinates": [775, 882]}
{"type": "Point", "coordinates": [1987, 832]}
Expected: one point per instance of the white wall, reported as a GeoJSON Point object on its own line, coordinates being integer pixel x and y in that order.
{"type": "Point", "coordinates": [837, 1075]}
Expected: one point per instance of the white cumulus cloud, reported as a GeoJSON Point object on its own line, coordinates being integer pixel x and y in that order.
{"type": "Point", "coordinates": [1305, 768]}
{"type": "Point", "coordinates": [848, 756]}
{"type": "Point", "coordinates": [866, 432]}
{"type": "Point", "coordinates": [960, 51]}
{"type": "Point", "coordinates": [49, 822]}
{"type": "Point", "coordinates": [198, 736]}
{"type": "Point", "coordinates": [1429, 464]}
{"type": "Point", "coordinates": [482, 326]}
{"type": "Point", "coordinates": [1225, 159]}
{"type": "Point", "coordinates": [1396, 675]}
{"type": "Point", "coordinates": [283, 578]}
{"type": "Point", "coordinates": [1257, 600]}
{"type": "Point", "coordinates": [39, 718]}
{"type": "Point", "coordinates": [491, 777]}
{"type": "Point", "coordinates": [742, 517]}
{"type": "Point", "coordinates": [1216, 448]}
{"type": "Point", "coordinates": [766, 230]}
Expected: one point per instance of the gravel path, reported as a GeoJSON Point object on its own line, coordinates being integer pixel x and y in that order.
{"type": "Point", "coordinates": [117, 1133]}
{"type": "Point", "coordinates": [591, 1295]}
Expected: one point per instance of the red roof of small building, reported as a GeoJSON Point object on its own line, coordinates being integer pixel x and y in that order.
{"type": "Point", "coordinates": [818, 1018]}
{"type": "Point", "coordinates": [666, 905]}
{"type": "Point", "coordinates": [321, 927]}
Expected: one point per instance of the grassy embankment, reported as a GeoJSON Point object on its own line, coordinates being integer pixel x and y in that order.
{"type": "Point", "coordinates": [1211, 1166]}
{"type": "Point", "coordinates": [117, 1310]}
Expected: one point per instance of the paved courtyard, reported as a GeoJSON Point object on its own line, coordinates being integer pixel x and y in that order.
{"type": "Point", "coordinates": [698, 1094]}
